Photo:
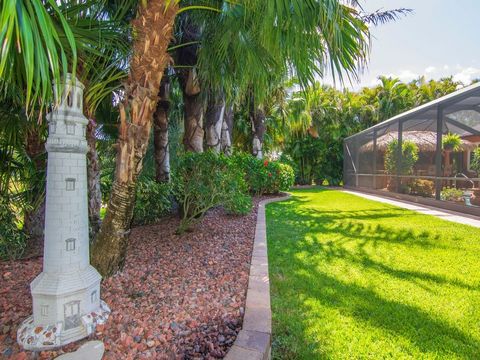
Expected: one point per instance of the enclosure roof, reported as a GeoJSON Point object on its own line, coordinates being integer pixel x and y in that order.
{"type": "Point", "coordinates": [425, 140]}
{"type": "Point", "coordinates": [456, 96]}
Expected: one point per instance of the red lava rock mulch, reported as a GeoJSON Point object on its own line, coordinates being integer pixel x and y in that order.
{"type": "Point", "coordinates": [178, 297]}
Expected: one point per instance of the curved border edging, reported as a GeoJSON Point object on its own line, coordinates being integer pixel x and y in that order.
{"type": "Point", "coordinates": [254, 341]}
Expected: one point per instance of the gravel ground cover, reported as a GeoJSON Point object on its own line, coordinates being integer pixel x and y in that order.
{"type": "Point", "coordinates": [178, 297]}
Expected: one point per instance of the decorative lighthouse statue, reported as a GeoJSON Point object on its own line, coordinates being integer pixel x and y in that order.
{"type": "Point", "coordinates": [66, 295]}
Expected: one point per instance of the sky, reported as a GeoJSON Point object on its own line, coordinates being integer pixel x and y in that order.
{"type": "Point", "coordinates": [440, 38]}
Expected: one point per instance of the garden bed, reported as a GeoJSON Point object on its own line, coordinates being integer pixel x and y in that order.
{"type": "Point", "coordinates": [179, 296]}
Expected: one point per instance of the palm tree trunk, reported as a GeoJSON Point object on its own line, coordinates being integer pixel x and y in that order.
{"type": "Point", "coordinates": [258, 129]}
{"type": "Point", "coordinates": [214, 119]}
{"type": "Point", "coordinates": [160, 133]}
{"type": "Point", "coordinates": [227, 131]}
{"type": "Point", "coordinates": [193, 111]}
{"type": "Point", "coordinates": [153, 28]}
{"type": "Point", "coordinates": [93, 179]}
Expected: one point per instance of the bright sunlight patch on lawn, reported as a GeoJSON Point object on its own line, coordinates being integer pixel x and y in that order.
{"type": "Point", "coordinates": [357, 279]}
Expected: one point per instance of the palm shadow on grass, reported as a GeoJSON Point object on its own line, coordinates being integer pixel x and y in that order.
{"type": "Point", "coordinates": [297, 225]}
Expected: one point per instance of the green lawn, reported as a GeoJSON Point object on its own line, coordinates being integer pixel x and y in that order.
{"type": "Point", "coordinates": [357, 279]}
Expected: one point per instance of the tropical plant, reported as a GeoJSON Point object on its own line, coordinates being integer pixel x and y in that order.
{"type": "Point", "coordinates": [422, 187]}
{"type": "Point", "coordinates": [451, 142]}
{"type": "Point", "coordinates": [264, 176]}
{"type": "Point", "coordinates": [22, 165]}
{"type": "Point", "coordinates": [153, 200]}
{"type": "Point", "coordinates": [401, 163]}
{"type": "Point", "coordinates": [475, 163]}
{"type": "Point", "coordinates": [38, 44]}
{"type": "Point", "coordinates": [12, 241]}
{"type": "Point", "coordinates": [425, 91]}
{"type": "Point", "coordinates": [393, 97]}
{"type": "Point", "coordinates": [248, 52]}
{"type": "Point", "coordinates": [451, 194]}
{"type": "Point", "coordinates": [218, 181]}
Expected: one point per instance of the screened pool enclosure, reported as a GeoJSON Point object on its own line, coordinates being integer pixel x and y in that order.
{"type": "Point", "coordinates": [436, 160]}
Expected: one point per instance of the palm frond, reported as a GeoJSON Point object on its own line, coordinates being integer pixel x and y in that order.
{"type": "Point", "coordinates": [33, 52]}
{"type": "Point", "coordinates": [381, 16]}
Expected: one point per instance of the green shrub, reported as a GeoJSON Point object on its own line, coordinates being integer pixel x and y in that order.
{"type": "Point", "coordinates": [451, 142]}
{"type": "Point", "coordinates": [285, 175]}
{"type": "Point", "coordinates": [451, 194]}
{"type": "Point", "coordinates": [422, 187]}
{"type": "Point", "coordinates": [12, 239]}
{"type": "Point", "coordinates": [475, 164]}
{"type": "Point", "coordinates": [288, 160]}
{"type": "Point", "coordinates": [408, 158]}
{"type": "Point", "coordinates": [206, 180]}
{"type": "Point", "coordinates": [153, 201]}
{"type": "Point", "coordinates": [238, 202]}
{"type": "Point", "coordinates": [264, 176]}
{"type": "Point", "coordinates": [250, 167]}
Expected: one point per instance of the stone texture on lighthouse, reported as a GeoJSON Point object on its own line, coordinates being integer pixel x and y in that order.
{"type": "Point", "coordinates": [66, 295]}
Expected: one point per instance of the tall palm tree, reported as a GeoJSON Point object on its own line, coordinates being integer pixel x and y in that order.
{"type": "Point", "coordinates": [153, 29]}
{"type": "Point", "coordinates": [214, 120]}
{"type": "Point", "coordinates": [426, 91]}
{"type": "Point", "coordinates": [393, 97]}
{"type": "Point", "coordinates": [186, 56]}
{"type": "Point", "coordinates": [102, 73]}
{"type": "Point", "coordinates": [160, 133]}
{"type": "Point", "coordinates": [240, 54]}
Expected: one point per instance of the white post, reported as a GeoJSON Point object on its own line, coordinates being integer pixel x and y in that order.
{"type": "Point", "coordinates": [66, 294]}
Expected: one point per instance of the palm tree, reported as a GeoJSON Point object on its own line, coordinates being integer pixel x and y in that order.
{"type": "Point", "coordinates": [226, 137]}
{"type": "Point", "coordinates": [426, 91]}
{"type": "Point", "coordinates": [102, 74]}
{"type": "Point", "coordinates": [214, 120]}
{"type": "Point", "coordinates": [189, 34]}
{"type": "Point", "coordinates": [241, 54]}
{"type": "Point", "coordinates": [160, 133]}
{"type": "Point", "coordinates": [153, 28]}
{"type": "Point", "coordinates": [392, 97]}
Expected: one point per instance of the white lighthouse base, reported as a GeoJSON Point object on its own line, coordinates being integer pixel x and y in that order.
{"type": "Point", "coordinates": [37, 338]}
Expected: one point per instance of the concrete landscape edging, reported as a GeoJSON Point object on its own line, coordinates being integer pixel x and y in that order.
{"type": "Point", "coordinates": [254, 340]}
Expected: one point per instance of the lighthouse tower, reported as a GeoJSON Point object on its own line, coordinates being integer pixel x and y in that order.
{"type": "Point", "coordinates": [66, 294]}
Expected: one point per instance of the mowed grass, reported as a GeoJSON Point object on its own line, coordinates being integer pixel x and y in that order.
{"type": "Point", "coordinates": [357, 279]}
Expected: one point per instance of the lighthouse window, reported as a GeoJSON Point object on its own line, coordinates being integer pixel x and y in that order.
{"type": "Point", "coordinates": [70, 184]}
{"type": "Point", "coordinates": [93, 296]}
{"type": "Point", "coordinates": [72, 315]}
{"type": "Point", "coordinates": [70, 244]}
{"type": "Point", "coordinates": [69, 99]}
{"type": "Point", "coordinates": [70, 128]}
{"type": "Point", "coordinates": [44, 310]}
{"type": "Point", "coordinates": [53, 127]}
